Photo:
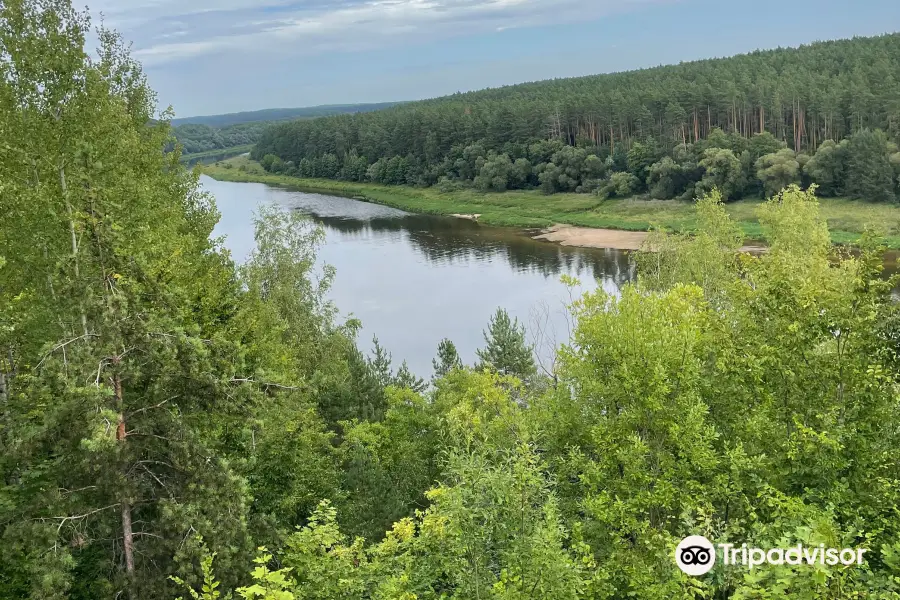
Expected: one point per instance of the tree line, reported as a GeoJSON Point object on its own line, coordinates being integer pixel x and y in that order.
{"type": "Point", "coordinates": [219, 132]}
{"type": "Point", "coordinates": [197, 138]}
{"type": "Point", "coordinates": [697, 124]}
{"type": "Point", "coordinates": [279, 114]}
{"type": "Point", "coordinates": [173, 425]}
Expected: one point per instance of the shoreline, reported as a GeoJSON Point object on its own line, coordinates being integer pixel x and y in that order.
{"type": "Point", "coordinates": [568, 219]}
{"type": "Point", "coordinates": [590, 237]}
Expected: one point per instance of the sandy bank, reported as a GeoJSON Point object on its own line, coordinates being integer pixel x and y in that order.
{"type": "Point", "coordinates": [471, 217]}
{"type": "Point", "coordinates": [589, 237]}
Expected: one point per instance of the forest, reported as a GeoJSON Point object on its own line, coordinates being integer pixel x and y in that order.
{"type": "Point", "coordinates": [196, 139]}
{"type": "Point", "coordinates": [827, 113]}
{"type": "Point", "coordinates": [221, 132]}
{"type": "Point", "coordinates": [175, 426]}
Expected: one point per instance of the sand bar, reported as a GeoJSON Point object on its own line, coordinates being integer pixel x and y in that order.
{"type": "Point", "coordinates": [590, 237]}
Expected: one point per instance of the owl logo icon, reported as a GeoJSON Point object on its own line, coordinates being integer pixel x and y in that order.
{"type": "Point", "coordinates": [695, 555]}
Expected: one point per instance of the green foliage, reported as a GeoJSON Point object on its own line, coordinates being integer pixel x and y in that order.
{"type": "Point", "coordinates": [722, 170]}
{"type": "Point", "coordinates": [272, 163]}
{"type": "Point", "coordinates": [764, 143]}
{"type": "Point", "coordinates": [394, 460]}
{"type": "Point", "coordinates": [666, 179]}
{"type": "Point", "coordinates": [406, 379]}
{"type": "Point", "coordinates": [707, 258]}
{"type": "Point", "coordinates": [574, 132]}
{"type": "Point", "coordinates": [494, 173]}
{"type": "Point", "coordinates": [152, 391]}
{"type": "Point", "coordinates": [622, 185]}
{"type": "Point", "coordinates": [529, 209]}
{"type": "Point", "coordinates": [826, 167]}
{"type": "Point", "coordinates": [209, 587]}
{"type": "Point", "coordinates": [354, 167]}
{"type": "Point", "coordinates": [394, 170]}
{"type": "Point", "coordinates": [506, 350]}
{"type": "Point", "coordinates": [493, 530]}
{"type": "Point", "coordinates": [197, 138]}
{"type": "Point", "coordinates": [567, 169]}
{"type": "Point", "coordinates": [675, 105]}
{"type": "Point", "coordinates": [869, 174]}
{"type": "Point", "coordinates": [778, 170]}
{"type": "Point", "coordinates": [268, 584]}
{"type": "Point", "coordinates": [324, 565]}
{"type": "Point", "coordinates": [639, 160]}
{"type": "Point", "coordinates": [292, 467]}
{"type": "Point", "coordinates": [447, 359]}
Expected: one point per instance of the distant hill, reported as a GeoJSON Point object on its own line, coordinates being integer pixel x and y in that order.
{"type": "Point", "coordinates": [219, 136]}
{"type": "Point", "coordinates": [281, 114]}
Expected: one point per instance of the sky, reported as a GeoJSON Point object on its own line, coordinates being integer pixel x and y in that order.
{"type": "Point", "coordinates": [217, 56]}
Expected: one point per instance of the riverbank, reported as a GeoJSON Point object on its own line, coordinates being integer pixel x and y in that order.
{"type": "Point", "coordinates": [531, 209]}
{"type": "Point", "coordinates": [589, 237]}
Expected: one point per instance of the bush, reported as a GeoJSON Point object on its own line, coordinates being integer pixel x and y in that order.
{"type": "Point", "coordinates": [447, 185]}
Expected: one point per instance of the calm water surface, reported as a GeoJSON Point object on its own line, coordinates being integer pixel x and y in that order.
{"type": "Point", "coordinates": [415, 279]}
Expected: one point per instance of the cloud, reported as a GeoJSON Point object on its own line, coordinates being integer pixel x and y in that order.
{"type": "Point", "coordinates": [172, 30]}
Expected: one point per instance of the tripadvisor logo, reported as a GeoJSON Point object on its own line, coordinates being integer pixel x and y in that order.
{"type": "Point", "coordinates": [696, 555]}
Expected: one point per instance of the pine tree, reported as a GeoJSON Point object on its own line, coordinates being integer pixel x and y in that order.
{"type": "Point", "coordinates": [118, 348]}
{"type": "Point", "coordinates": [407, 379]}
{"type": "Point", "coordinates": [447, 359]}
{"type": "Point", "coordinates": [506, 350]}
{"type": "Point", "coordinates": [380, 363]}
{"type": "Point", "coordinates": [869, 174]}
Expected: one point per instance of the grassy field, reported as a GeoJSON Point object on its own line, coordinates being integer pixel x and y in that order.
{"type": "Point", "coordinates": [846, 219]}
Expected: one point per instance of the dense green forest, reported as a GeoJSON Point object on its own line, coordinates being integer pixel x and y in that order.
{"type": "Point", "coordinates": [175, 426]}
{"type": "Point", "coordinates": [827, 113]}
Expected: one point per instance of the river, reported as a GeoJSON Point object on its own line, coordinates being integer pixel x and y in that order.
{"type": "Point", "coordinates": [415, 279]}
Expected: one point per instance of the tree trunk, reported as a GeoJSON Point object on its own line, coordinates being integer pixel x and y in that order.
{"type": "Point", "coordinates": [74, 238]}
{"type": "Point", "coordinates": [128, 541]}
{"type": "Point", "coordinates": [794, 122]}
{"type": "Point", "coordinates": [127, 531]}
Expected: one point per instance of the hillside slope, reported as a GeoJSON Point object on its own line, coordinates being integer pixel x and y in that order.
{"type": "Point", "coordinates": [280, 114]}
{"type": "Point", "coordinates": [799, 100]}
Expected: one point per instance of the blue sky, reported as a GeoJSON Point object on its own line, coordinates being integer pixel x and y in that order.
{"type": "Point", "coordinates": [215, 56]}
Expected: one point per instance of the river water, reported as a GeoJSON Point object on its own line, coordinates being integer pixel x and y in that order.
{"type": "Point", "coordinates": [415, 279]}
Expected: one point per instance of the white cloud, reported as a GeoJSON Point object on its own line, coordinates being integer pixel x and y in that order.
{"type": "Point", "coordinates": [315, 26]}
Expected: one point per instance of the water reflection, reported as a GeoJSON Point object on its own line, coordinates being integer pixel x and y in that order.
{"type": "Point", "coordinates": [415, 279]}
{"type": "Point", "coordinates": [448, 240]}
